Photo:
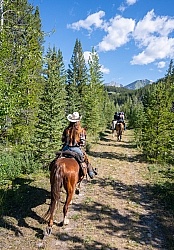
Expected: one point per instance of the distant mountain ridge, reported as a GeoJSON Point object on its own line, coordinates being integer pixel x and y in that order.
{"type": "Point", "coordinates": [138, 84]}
{"type": "Point", "coordinates": [133, 86]}
{"type": "Point", "coordinates": [115, 84]}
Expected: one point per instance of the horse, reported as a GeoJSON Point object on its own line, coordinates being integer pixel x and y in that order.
{"type": "Point", "coordinates": [119, 130]}
{"type": "Point", "coordinates": [65, 172]}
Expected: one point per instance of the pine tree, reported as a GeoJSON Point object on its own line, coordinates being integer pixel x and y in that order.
{"type": "Point", "coordinates": [77, 78]}
{"type": "Point", "coordinates": [52, 107]}
{"type": "Point", "coordinates": [21, 40]}
{"type": "Point", "coordinates": [156, 132]}
{"type": "Point", "coordinates": [94, 97]}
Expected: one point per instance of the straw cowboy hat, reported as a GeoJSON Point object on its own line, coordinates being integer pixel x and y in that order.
{"type": "Point", "coordinates": [75, 117]}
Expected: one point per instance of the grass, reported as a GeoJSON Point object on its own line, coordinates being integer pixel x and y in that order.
{"type": "Point", "coordinates": [162, 180]}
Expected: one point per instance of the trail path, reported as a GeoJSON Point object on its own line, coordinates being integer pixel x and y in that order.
{"type": "Point", "coordinates": [114, 211]}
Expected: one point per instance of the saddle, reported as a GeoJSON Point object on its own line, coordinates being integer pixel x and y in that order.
{"type": "Point", "coordinates": [79, 159]}
{"type": "Point", "coordinates": [70, 154]}
{"type": "Point", "coordinates": [67, 154]}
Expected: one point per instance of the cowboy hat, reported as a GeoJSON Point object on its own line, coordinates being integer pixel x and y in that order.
{"type": "Point", "coordinates": [75, 117]}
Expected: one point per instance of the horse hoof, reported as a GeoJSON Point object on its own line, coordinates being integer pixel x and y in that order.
{"type": "Point", "coordinates": [66, 221]}
{"type": "Point", "coordinates": [48, 231]}
{"type": "Point", "coordinates": [77, 191]}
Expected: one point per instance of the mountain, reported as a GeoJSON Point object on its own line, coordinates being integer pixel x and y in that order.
{"type": "Point", "coordinates": [138, 84]}
{"type": "Point", "coordinates": [132, 86]}
{"type": "Point", "coordinates": [114, 84]}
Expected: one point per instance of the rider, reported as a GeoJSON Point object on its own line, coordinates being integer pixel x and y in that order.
{"type": "Point", "coordinates": [114, 121]}
{"type": "Point", "coordinates": [69, 139]}
{"type": "Point", "coordinates": [116, 116]}
{"type": "Point", "coordinates": [121, 119]}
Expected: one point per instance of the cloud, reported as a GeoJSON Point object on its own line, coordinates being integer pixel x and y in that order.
{"type": "Point", "coordinates": [87, 55]}
{"type": "Point", "coordinates": [161, 64]}
{"type": "Point", "coordinates": [152, 25]}
{"type": "Point", "coordinates": [125, 5]}
{"type": "Point", "coordinates": [104, 70]}
{"type": "Point", "coordinates": [131, 2]}
{"type": "Point", "coordinates": [152, 36]}
{"type": "Point", "coordinates": [157, 48]}
{"type": "Point", "coordinates": [94, 20]}
{"type": "Point", "coordinates": [119, 30]}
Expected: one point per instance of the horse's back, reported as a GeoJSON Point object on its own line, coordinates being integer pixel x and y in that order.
{"type": "Point", "coordinates": [69, 162]}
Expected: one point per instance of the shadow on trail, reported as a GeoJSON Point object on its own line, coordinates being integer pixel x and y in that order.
{"type": "Point", "coordinates": [116, 144]}
{"type": "Point", "coordinates": [79, 243]}
{"type": "Point", "coordinates": [140, 222]}
{"type": "Point", "coordinates": [140, 226]}
{"type": "Point", "coordinates": [115, 155]}
{"type": "Point", "coordinates": [17, 204]}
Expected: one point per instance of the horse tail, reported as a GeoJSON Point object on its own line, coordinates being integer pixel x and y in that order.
{"type": "Point", "coordinates": [56, 181]}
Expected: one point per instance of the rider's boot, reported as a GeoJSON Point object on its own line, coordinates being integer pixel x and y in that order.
{"type": "Point", "coordinates": [91, 172]}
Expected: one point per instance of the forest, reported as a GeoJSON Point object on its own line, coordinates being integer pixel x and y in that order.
{"type": "Point", "coordinates": [37, 93]}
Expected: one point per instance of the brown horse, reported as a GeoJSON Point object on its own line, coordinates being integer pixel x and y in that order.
{"type": "Point", "coordinates": [119, 130]}
{"type": "Point", "coordinates": [65, 172]}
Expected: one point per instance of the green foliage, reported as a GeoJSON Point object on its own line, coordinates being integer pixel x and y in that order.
{"type": "Point", "coordinates": [51, 115]}
{"type": "Point", "coordinates": [77, 79]}
{"type": "Point", "coordinates": [136, 119]}
{"type": "Point", "coordinates": [12, 164]}
{"type": "Point", "coordinates": [149, 112]}
{"type": "Point", "coordinates": [163, 179]}
{"type": "Point", "coordinates": [21, 61]}
{"type": "Point", "coordinates": [20, 84]}
{"type": "Point", "coordinates": [95, 101]}
{"type": "Point", "coordinates": [157, 125]}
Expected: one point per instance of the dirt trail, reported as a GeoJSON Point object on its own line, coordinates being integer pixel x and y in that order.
{"type": "Point", "coordinates": [113, 211]}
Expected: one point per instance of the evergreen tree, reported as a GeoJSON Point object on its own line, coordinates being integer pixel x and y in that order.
{"type": "Point", "coordinates": [21, 63]}
{"type": "Point", "coordinates": [94, 97]}
{"type": "Point", "coordinates": [52, 107]}
{"type": "Point", "coordinates": [156, 132]}
{"type": "Point", "coordinates": [77, 78]}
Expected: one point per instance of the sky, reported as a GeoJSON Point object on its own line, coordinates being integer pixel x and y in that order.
{"type": "Point", "coordinates": [134, 39]}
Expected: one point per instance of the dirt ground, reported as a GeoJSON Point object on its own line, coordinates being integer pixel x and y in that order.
{"type": "Point", "coordinates": [115, 210]}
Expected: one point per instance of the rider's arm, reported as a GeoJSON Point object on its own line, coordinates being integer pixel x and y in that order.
{"type": "Point", "coordinates": [83, 138]}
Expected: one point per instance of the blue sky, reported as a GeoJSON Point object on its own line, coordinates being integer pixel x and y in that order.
{"type": "Point", "coordinates": [133, 38]}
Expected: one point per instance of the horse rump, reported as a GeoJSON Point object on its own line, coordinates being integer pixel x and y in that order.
{"type": "Point", "coordinates": [64, 173]}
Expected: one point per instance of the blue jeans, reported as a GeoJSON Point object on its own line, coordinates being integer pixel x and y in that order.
{"type": "Point", "coordinates": [74, 149]}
